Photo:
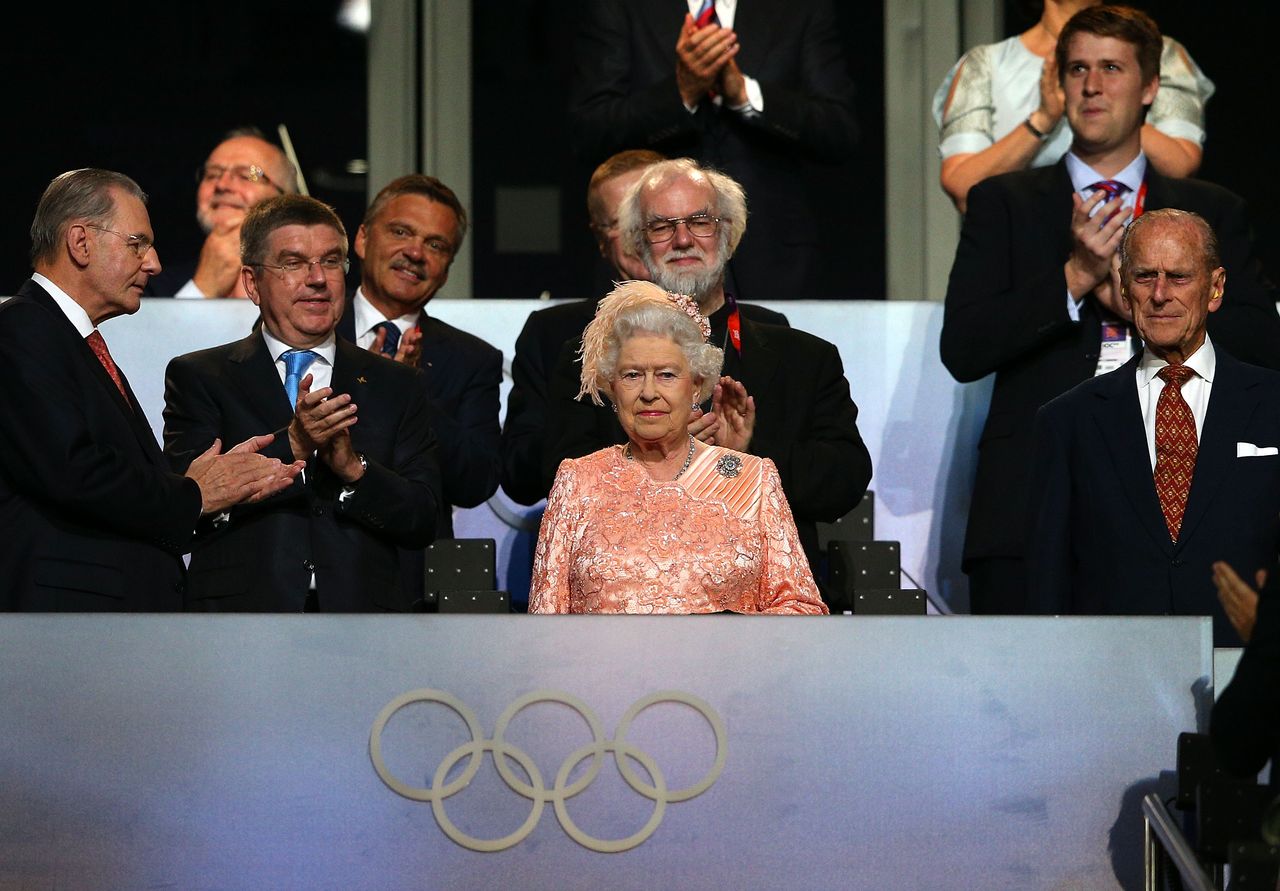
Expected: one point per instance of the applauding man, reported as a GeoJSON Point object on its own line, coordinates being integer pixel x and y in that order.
{"type": "Point", "coordinates": [359, 421]}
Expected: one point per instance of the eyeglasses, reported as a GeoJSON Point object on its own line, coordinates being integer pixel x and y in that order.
{"type": "Point", "coordinates": [296, 267]}
{"type": "Point", "coordinates": [245, 173]}
{"type": "Point", "coordinates": [699, 225]}
{"type": "Point", "coordinates": [139, 244]}
{"type": "Point", "coordinates": [603, 228]}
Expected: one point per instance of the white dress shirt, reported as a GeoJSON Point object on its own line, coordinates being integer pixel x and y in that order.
{"type": "Point", "coordinates": [320, 369]}
{"type": "Point", "coordinates": [367, 317]}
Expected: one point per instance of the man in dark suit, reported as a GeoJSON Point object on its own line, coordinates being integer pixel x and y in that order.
{"type": "Point", "coordinates": [90, 515]}
{"type": "Point", "coordinates": [759, 90]}
{"type": "Point", "coordinates": [1031, 297]}
{"type": "Point", "coordinates": [241, 171]}
{"type": "Point", "coordinates": [525, 431]}
{"type": "Point", "coordinates": [1245, 726]}
{"type": "Point", "coordinates": [409, 237]}
{"type": "Point", "coordinates": [783, 394]}
{"type": "Point", "coordinates": [358, 420]}
{"type": "Point", "coordinates": [1145, 477]}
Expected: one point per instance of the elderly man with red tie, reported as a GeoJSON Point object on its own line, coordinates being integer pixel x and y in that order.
{"type": "Point", "coordinates": [1033, 296]}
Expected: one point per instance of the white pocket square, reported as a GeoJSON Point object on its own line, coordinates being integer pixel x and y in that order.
{"type": "Point", "coordinates": [1249, 450]}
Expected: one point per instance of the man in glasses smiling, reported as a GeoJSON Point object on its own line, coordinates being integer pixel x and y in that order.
{"type": "Point", "coordinates": [242, 171]}
{"type": "Point", "coordinates": [358, 420]}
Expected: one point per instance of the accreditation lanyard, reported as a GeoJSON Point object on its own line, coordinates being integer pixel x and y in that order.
{"type": "Point", "coordinates": [733, 326]}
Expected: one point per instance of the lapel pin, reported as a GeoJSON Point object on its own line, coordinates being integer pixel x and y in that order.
{"type": "Point", "coordinates": [361, 380]}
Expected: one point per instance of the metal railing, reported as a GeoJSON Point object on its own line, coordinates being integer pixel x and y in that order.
{"type": "Point", "coordinates": [1164, 842]}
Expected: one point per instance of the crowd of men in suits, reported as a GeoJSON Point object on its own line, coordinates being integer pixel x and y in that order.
{"type": "Point", "coordinates": [306, 465]}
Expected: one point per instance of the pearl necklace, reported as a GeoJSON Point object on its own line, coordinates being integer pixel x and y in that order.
{"type": "Point", "coordinates": [688, 459]}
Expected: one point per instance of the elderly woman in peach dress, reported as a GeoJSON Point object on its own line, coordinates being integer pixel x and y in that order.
{"type": "Point", "coordinates": [664, 523]}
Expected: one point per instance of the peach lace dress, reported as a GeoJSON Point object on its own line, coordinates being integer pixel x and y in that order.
{"type": "Point", "coordinates": [719, 538]}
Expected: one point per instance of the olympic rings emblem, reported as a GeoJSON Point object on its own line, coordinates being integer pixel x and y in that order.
{"type": "Point", "coordinates": [536, 790]}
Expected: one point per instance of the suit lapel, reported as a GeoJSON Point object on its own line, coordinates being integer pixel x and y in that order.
{"type": "Point", "coordinates": [1118, 417]}
{"type": "Point", "coordinates": [128, 405]}
{"type": "Point", "coordinates": [1232, 403]}
{"type": "Point", "coordinates": [259, 383]}
{"type": "Point", "coordinates": [758, 361]}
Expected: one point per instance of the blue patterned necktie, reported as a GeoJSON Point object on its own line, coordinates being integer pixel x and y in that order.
{"type": "Point", "coordinates": [1113, 188]}
{"type": "Point", "coordinates": [296, 363]}
{"type": "Point", "coordinates": [392, 340]}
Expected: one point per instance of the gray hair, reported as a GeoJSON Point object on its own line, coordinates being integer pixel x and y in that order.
{"type": "Point", "coordinates": [83, 194]}
{"type": "Point", "coordinates": [730, 204]}
{"type": "Point", "coordinates": [704, 359]}
{"type": "Point", "coordinates": [1208, 238]}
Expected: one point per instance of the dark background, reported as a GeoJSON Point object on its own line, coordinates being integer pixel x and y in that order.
{"type": "Point", "coordinates": [149, 88]}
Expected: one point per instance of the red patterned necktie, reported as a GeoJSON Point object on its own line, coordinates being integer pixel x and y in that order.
{"type": "Point", "coordinates": [1176, 447]}
{"type": "Point", "coordinates": [99, 347]}
{"type": "Point", "coordinates": [706, 14]}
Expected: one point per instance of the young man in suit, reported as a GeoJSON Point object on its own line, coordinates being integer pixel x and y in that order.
{"type": "Point", "coordinates": [91, 516]}
{"type": "Point", "coordinates": [358, 420]}
{"type": "Point", "coordinates": [1031, 298]}
{"type": "Point", "coordinates": [1145, 477]}
{"type": "Point", "coordinates": [406, 244]}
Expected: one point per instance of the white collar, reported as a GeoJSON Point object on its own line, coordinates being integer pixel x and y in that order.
{"type": "Point", "coordinates": [367, 316]}
{"type": "Point", "coordinates": [1204, 362]}
{"type": "Point", "coordinates": [1083, 176]}
{"type": "Point", "coordinates": [327, 350]}
{"type": "Point", "coordinates": [73, 311]}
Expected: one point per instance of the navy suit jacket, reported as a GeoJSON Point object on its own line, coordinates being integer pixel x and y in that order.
{"type": "Point", "coordinates": [1100, 543]}
{"type": "Point", "coordinates": [262, 558]}
{"type": "Point", "coordinates": [462, 375]}
{"type": "Point", "coordinates": [625, 97]}
{"type": "Point", "coordinates": [1006, 313]}
{"type": "Point", "coordinates": [91, 517]}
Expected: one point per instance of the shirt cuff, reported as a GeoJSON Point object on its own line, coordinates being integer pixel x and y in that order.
{"type": "Point", "coordinates": [755, 98]}
{"type": "Point", "coordinates": [190, 291]}
{"type": "Point", "coordinates": [1073, 308]}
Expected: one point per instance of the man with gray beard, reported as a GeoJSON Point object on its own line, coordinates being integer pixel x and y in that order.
{"type": "Point", "coordinates": [782, 395]}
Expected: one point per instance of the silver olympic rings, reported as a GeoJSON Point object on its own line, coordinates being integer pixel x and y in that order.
{"type": "Point", "coordinates": [536, 790]}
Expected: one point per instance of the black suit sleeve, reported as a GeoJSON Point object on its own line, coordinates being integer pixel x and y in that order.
{"type": "Point", "coordinates": [1049, 543]}
{"type": "Point", "coordinates": [60, 456]}
{"type": "Point", "coordinates": [609, 109]}
{"type": "Point", "coordinates": [999, 307]}
{"type": "Point", "coordinates": [398, 499]}
{"type": "Point", "coordinates": [816, 112]}
{"type": "Point", "coordinates": [1247, 323]}
{"type": "Point", "coordinates": [576, 427]}
{"type": "Point", "coordinates": [470, 439]}
{"type": "Point", "coordinates": [525, 429]}
{"type": "Point", "coordinates": [1245, 725]}
{"type": "Point", "coordinates": [193, 419]}
{"type": "Point", "coordinates": [825, 467]}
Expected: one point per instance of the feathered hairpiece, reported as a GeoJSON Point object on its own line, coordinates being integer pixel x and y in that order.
{"type": "Point", "coordinates": [624, 296]}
